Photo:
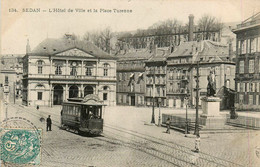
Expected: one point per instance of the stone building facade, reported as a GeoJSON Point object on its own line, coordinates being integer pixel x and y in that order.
{"type": "Point", "coordinates": [58, 69]}
{"type": "Point", "coordinates": [155, 70]}
{"type": "Point", "coordinates": [11, 75]}
{"type": "Point", "coordinates": [248, 63]}
{"type": "Point", "coordinates": [131, 77]}
{"type": "Point", "coordinates": [181, 70]}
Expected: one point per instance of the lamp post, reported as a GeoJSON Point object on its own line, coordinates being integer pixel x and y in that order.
{"type": "Point", "coordinates": [186, 122]}
{"type": "Point", "coordinates": [153, 121]}
{"type": "Point", "coordinates": [159, 119]}
{"type": "Point", "coordinates": [196, 131]}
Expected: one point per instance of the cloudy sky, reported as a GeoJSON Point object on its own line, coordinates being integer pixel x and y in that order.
{"type": "Point", "coordinates": [17, 27]}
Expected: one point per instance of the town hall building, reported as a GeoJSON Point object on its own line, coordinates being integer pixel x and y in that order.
{"type": "Point", "coordinates": [58, 69]}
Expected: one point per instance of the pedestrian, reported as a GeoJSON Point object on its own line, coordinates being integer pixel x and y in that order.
{"type": "Point", "coordinates": [197, 143]}
{"type": "Point", "coordinates": [49, 123]}
{"type": "Point", "coordinates": [37, 107]}
{"type": "Point", "coordinates": [168, 123]}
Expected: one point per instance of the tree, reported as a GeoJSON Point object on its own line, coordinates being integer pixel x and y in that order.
{"type": "Point", "coordinates": [208, 23]}
{"type": "Point", "coordinates": [100, 38]}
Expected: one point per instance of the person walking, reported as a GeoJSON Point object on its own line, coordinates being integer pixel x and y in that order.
{"type": "Point", "coordinates": [197, 143]}
{"type": "Point", "coordinates": [168, 123]}
{"type": "Point", "coordinates": [37, 107]}
{"type": "Point", "coordinates": [49, 123]}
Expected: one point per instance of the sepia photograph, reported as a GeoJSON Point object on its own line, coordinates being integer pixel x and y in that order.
{"type": "Point", "coordinates": [130, 83]}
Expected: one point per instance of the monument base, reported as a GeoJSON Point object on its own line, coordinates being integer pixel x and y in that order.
{"type": "Point", "coordinates": [210, 118]}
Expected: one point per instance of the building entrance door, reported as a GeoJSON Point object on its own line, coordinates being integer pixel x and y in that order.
{"type": "Point", "coordinates": [132, 100]}
{"type": "Point", "coordinates": [58, 95]}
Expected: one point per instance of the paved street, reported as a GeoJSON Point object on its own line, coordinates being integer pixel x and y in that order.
{"type": "Point", "coordinates": [129, 140]}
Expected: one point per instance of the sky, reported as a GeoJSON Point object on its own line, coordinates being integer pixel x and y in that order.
{"type": "Point", "coordinates": [18, 26]}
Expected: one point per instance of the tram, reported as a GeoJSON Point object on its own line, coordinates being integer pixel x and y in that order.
{"type": "Point", "coordinates": [83, 115]}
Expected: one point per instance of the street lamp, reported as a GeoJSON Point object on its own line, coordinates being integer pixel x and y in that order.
{"type": "Point", "coordinates": [159, 119]}
{"type": "Point", "coordinates": [196, 131]}
{"type": "Point", "coordinates": [153, 121]}
{"type": "Point", "coordinates": [186, 122]}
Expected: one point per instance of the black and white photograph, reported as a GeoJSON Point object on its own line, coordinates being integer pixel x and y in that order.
{"type": "Point", "coordinates": [130, 83]}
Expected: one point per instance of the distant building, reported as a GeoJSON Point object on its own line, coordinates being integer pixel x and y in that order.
{"type": "Point", "coordinates": [146, 38]}
{"type": "Point", "coordinates": [248, 63]}
{"type": "Point", "coordinates": [11, 75]}
{"type": "Point", "coordinates": [131, 77]}
{"type": "Point", "coordinates": [58, 69]}
{"type": "Point", "coordinates": [181, 69]}
{"type": "Point", "coordinates": [155, 70]}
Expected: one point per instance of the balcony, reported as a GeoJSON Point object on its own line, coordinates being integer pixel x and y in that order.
{"type": "Point", "coordinates": [248, 23]}
{"type": "Point", "coordinates": [71, 77]}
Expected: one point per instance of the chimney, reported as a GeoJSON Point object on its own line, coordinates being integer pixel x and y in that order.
{"type": "Point", "coordinates": [28, 48]}
{"type": "Point", "coordinates": [191, 27]}
{"type": "Point", "coordinates": [230, 50]}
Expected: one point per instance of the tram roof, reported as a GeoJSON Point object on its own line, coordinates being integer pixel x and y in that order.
{"type": "Point", "coordinates": [84, 103]}
{"type": "Point", "coordinates": [90, 100]}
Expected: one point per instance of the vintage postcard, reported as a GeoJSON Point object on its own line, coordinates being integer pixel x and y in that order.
{"type": "Point", "coordinates": [130, 83]}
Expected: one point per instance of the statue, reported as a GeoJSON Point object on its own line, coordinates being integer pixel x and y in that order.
{"type": "Point", "coordinates": [211, 88]}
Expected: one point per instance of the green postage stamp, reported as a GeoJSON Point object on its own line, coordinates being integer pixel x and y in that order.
{"type": "Point", "coordinates": [20, 145]}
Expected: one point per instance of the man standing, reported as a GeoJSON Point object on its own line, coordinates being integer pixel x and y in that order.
{"type": "Point", "coordinates": [168, 124]}
{"type": "Point", "coordinates": [49, 123]}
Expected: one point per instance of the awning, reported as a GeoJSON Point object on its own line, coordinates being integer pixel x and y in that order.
{"type": "Point", "coordinates": [132, 75]}
{"type": "Point", "coordinates": [140, 75]}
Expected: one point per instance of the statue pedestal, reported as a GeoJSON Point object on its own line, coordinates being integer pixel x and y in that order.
{"type": "Point", "coordinates": [210, 118]}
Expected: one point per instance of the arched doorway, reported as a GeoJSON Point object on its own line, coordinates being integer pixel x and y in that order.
{"type": "Point", "coordinates": [88, 90]}
{"type": "Point", "coordinates": [58, 95]}
{"type": "Point", "coordinates": [73, 91]}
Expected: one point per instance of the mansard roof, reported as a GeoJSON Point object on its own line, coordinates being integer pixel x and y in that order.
{"type": "Point", "coordinates": [207, 50]}
{"type": "Point", "coordinates": [159, 55]}
{"type": "Point", "coordinates": [52, 46]}
{"type": "Point", "coordinates": [185, 49]}
{"type": "Point", "coordinates": [135, 55]}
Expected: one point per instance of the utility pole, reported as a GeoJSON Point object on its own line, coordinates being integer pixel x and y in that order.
{"type": "Point", "coordinates": [14, 92]}
{"type": "Point", "coordinates": [159, 119]}
{"type": "Point", "coordinates": [153, 121]}
{"type": "Point", "coordinates": [196, 131]}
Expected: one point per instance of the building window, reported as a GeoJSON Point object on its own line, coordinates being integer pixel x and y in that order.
{"type": "Point", "coordinates": [6, 80]}
{"type": "Point", "coordinates": [243, 47]}
{"type": "Point", "coordinates": [241, 99]}
{"type": "Point", "coordinates": [89, 71]}
{"type": "Point", "coordinates": [228, 71]}
{"type": "Point", "coordinates": [238, 87]}
{"type": "Point", "coordinates": [39, 95]}
{"type": "Point", "coordinates": [247, 45]}
{"type": "Point", "coordinates": [241, 67]}
{"type": "Point", "coordinates": [259, 65]}
{"type": "Point", "coordinates": [251, 99]}
{"type": "Point", "coordinates": [73, 69]}
{"type": "Point", "coordinates": [106, 66]}
{"type": "Point", "coordinates": [40, 65]}
{"type": "Point", "coordinates": [253, 45]}
{"type": "Point", "coordinates": [251, 66]}
{"type": "Point", "coordinates": [104, 96]}
{"type": "Point", "coordinates": [58, 70]}
{"type": "Point", "coordinates": [242, 87]}
{"type": "Point", "coordinates": [239, 47]}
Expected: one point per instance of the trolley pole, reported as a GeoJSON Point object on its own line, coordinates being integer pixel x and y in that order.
{"type": "Point", "coordinates": [196, 131]}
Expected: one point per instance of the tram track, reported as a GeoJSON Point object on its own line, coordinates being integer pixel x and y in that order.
{"type": "Point", "coordinates": [166, 147]}
{"type": "Point", "coordinates": [168, 151]}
